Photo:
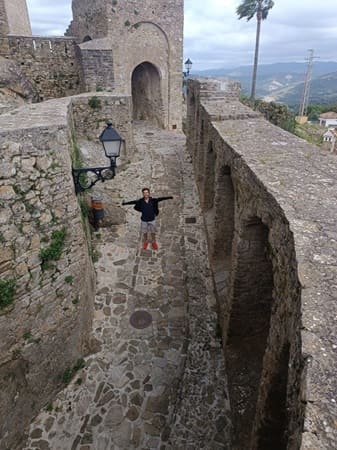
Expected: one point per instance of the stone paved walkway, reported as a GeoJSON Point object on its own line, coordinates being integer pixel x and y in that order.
{"type": "Point", "coordinates": [161, 387]}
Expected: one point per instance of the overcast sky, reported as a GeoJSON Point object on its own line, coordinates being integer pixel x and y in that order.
{"type": "Point", "coordinates": [214, 37]}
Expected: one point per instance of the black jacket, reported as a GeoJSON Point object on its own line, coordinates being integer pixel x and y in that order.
{"type": "Point", "coordinates": [154, 200]}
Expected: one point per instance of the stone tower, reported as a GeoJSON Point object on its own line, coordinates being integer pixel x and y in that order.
{"type": "Point", "coordinates": [14, 18]}
{"type": "Point", "coordinates": [142, 43]}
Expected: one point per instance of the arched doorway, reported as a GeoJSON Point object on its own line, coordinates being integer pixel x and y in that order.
{"type": "Point", "coordinates": [146, 94]}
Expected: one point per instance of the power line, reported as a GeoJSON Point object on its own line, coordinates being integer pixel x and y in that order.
{"type": "Point", "coordinates": [307, 83]}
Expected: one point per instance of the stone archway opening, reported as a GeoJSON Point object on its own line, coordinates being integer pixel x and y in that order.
{"type": "Point", "coordinates": [249, 325]}
{"type": "Point", "coordinates": [224, 218]}
{"type": "Point", "coordinates": [206, 179]}
{"type": "Point", "coordinates": [223, 233]}
{"type": "Point", "coordinates": [207, 167]}
{"type": "Point", "coordinates": [146, 94]}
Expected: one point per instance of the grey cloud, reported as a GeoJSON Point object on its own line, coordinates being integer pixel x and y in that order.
{"type": "Point", "coordinates": [214, 37]}
{"type": "Point", "coordinates": [49, 19]}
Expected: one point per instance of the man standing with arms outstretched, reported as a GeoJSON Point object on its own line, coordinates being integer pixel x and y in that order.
{"type": "Point", "coordinates": [148, 206]}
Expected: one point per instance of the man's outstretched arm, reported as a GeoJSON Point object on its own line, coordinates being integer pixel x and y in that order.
{"type": "Point", "coordinates": [132, 202]}
{"type": "Point", "coordinates": [160, 199]}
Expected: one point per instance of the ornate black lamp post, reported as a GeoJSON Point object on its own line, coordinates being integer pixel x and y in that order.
{"type": "Point", "coordinates": [188, 66]}
{"type": "Point", "coordinates": [112, 144]}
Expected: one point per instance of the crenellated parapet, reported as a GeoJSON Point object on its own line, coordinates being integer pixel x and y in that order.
{"type": "Point", "coordinates": [49, 63]}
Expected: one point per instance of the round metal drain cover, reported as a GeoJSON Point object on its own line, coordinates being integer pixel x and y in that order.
{"type": "Point", "coordinates": [140, 319]}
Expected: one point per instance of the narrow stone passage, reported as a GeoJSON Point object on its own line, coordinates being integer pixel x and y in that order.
{"type": "Point", "coordinates": [163, 386]}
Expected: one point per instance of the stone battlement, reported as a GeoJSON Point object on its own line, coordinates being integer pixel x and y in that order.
{"type": "Point", "coordinates": [50, 64]}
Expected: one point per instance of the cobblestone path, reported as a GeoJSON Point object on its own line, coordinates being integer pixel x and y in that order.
{"type": "Point", "coordinates": [161, 387]}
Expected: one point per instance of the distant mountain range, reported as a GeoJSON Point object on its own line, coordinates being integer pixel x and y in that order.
{"type": "Point", "coordinates": [284, 82]}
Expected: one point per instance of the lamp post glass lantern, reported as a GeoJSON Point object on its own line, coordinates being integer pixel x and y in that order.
{"type": "Point", "coordinates": [111, 141]}
{"type": "Point", "coordinates": [188, 66]}
{"type": "Point", "coordinates": [86, 178]}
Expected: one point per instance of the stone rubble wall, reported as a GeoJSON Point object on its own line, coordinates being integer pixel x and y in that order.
{"type": "Point", "coordinates": [90, 121]}
{"type": "Point", "coordinates": [50, 64]}
{"type": "Point", "coordinates": [15, 89]}
{"type": "Point", "coordinates": [251, 176]}
{"type": "Point", "coordinates": [47, 327]}
{"type": "Point", "coordinates": [96, 69]}
{"type": "Point", "coordinates": [89, 19]}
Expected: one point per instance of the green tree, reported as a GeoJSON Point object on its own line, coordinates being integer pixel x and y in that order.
{"type": "Point", "coordinates": [248, 9]}
{"type": "Point", "coordinates": [314, 111]}
{"type": "Point", "coordinates": [276, 113]}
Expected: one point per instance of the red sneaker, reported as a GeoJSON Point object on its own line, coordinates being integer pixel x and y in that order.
{"type": "Point", "coordinates": [154, 245]}
{"type": "Point", "coordinates": [145, 245]}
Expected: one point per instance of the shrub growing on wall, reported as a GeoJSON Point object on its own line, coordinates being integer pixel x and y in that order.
{"type": "Point", "coordinates": [54, 251]}
{"type": "Point", "coordinates": [276, 113]}
{"type": "Point", "coordinates": [7, 288]}
{"type": "Point", "coordinates": [94, 102]}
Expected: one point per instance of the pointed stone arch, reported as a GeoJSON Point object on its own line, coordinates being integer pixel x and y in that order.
{"type": "Point", "coordinates": [146, 94]}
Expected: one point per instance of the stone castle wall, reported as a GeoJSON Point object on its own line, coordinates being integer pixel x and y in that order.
{"type": "Point", "coordinates": [96, 68]}
{"type": "Point", "coordinates": [150, 32]}
{"type": "Point", "coordinates": [90, 121]}
{"type": "Point", "coordinates": [46, 328]}
{"type": "Point", "coordinates": [90, 19]}
{"type": "Point", "coordinates": [265, 238]}
{"type": "Point", "coordinates": [3, 19]}
{"type": "Point", "coordinates": [50, 64]}
{"type": "Point", "coordinates": [115, 40]}
{"type": "Point", "coordinates": [14, 17]}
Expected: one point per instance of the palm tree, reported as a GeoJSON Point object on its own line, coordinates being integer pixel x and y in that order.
{"type": "Point", "coordinates": [248, 9]}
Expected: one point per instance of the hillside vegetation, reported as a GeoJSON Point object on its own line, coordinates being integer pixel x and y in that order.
{"type": "Point", "coordinates": [284, 82]}
{"type": "Point", "coordinates": [312, 133]}
{"type": "Point", "coordinates": [279, 115]}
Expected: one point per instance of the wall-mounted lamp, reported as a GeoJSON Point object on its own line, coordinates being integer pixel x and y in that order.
{"type": "Point", "coordinates": [112, 143]}
{"type": "Point", "coordinates": [188, 66]}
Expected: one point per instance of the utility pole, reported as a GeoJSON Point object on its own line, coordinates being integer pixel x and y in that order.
{"type": "Point", "coordinates": [307, 82]}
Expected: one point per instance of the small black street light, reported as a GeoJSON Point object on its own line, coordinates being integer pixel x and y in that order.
{"type": "Point", "coordinates": [188, 67]}
{"type": "Point", "coordinates": [112, 143]}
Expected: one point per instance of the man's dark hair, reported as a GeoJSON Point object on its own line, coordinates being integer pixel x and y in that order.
{"type": "Point", "coordinates": [145, 189]}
